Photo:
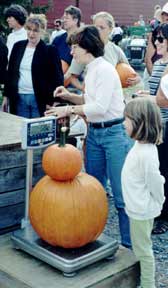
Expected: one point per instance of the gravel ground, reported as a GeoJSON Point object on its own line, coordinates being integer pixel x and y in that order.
{"type": "Point", "coordinates": [160, 246]}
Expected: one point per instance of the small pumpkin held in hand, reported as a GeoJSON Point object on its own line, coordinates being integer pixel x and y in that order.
{"type": "Point", "coordinates": [125, 71]}
{"type": "Point", "coordinates": [68, 214]}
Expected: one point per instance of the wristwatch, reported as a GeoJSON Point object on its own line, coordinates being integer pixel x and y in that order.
{"type": "Point", "coordinates": [72, 110]}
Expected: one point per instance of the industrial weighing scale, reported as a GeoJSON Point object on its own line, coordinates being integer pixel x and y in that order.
{"type": "Point", "coordinates": [38, 133]}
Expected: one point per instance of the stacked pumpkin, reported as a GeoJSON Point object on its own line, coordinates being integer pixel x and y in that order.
{"type": "Point", "coordinates": [67, 208]}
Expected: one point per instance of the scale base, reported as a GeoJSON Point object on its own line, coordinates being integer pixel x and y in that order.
{"type": "Point", "coordinates": [66, 260]}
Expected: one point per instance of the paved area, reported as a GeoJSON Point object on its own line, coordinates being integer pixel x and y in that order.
{"type": "Point", "coordinates": [27, 272]}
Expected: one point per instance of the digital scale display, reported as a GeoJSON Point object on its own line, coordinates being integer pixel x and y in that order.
{"type": "Point", "coordinates": [38, 132]}
{"type": "Point", "coordinates": [40, 128]}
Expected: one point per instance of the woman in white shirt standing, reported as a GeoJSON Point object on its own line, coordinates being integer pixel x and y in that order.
{"type": "Point", "coordinates": [102, 104]}
{"type": "Point", "coordinates": [142, 183]}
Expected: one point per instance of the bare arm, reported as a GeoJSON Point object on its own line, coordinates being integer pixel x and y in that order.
{"type": "Point", "coordinates": [76, 83]}
{"type": "Point", "coordinates": [5, 104]}
{"type": "Point", "coordinates": [161, 100]}
{"type": "Point", "coordinates": [162, 94]}
{"type": "Point", "coordinates": [64, 111]}
{"type": "Point", "coordinates": [150, 51]}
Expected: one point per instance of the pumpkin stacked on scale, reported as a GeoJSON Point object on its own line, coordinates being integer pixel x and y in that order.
{"type": "Point", "coordinates": [67, 208]}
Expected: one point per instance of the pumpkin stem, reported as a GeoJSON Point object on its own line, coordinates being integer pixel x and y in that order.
{"type": "Point", "coordinates": [63, 136]}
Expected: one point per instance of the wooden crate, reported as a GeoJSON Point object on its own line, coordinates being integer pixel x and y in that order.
{"type": "Point", "coordinates": [13, 171]}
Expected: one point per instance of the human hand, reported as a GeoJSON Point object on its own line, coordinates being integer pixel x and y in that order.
{"type": "Point", "coordinates": [61, 92]}
{"type": "Point", "coordinates": [5, 104]}
{"type": "Point", "coordinates": [141, 93]}
{"type": "Point", "coordinates": [133, 81]}
{"type": "Point", "coordinates": [59, 112]}
{"type": "Point", "coordinates": [150, 50]}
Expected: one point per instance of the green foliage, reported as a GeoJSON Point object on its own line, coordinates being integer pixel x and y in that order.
{"type": "Point", "coordinates": [27, 4]}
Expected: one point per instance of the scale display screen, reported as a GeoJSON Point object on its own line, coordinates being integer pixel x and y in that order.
{"type": "Point", "coordinates": [40, 128]}
{"type": "Point", "coordinates": [38, 133]}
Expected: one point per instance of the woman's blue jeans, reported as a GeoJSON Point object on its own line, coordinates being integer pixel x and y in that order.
{"type": "Point", "coordinates": [27, 106]}
{"type": "Point", "coordinates": [106, 149]}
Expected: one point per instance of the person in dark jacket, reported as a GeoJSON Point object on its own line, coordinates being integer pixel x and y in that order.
{"type": "Point", "coordinates": [34, 71]}
{"type": "Point", "coordinates": [3, 60]}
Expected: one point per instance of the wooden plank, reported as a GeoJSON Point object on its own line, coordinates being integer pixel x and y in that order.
{"type": "Point", "coordinates": [7, 281]}
{"type": "Point", "coordinates": [12, 198]}
{"type": "Point", "coordinates": [13, 171]}
{"type": "Point", "coordinates": [14, 179]}
{"type": "Point", "coordinates": [10, 127]}
{"type": "Point", "coordinates": [11, 215]}
{"type": "Point", "coordinates": [12, 158]}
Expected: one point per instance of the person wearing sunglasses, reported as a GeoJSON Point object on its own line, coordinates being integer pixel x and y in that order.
{"type": "Point", "coordinates": [58, 29]}
{"type": "Point", "coordinates": [151, 51]}
{"type": "Point", "coordinates": [161, 43]}
{"type": "Point", "coordinates": [159, 68]}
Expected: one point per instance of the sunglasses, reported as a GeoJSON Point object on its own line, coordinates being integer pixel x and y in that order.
{"type": "Point", "coordinates": [160, 39]}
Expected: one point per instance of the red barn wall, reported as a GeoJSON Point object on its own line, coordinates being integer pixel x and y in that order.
{"type": "Point", "coordinates": [125, 12]}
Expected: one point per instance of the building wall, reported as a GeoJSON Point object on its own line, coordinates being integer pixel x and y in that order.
{"type": "Point", "coordinates": [125, 12]}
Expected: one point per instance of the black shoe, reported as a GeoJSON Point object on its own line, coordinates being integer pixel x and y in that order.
{"type": "Point", "coordinates": [160, 227]}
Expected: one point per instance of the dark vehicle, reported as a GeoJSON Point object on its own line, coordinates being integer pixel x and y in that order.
{"type": "Point", "coordinates": [135, 44]}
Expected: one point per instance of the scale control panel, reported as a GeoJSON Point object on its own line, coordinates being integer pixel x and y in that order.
{"type": "Point", "coordinates": [38, 132]}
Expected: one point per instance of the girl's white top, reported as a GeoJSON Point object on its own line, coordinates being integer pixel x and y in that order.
{"type": "Point", "coordinates": [142, 183]}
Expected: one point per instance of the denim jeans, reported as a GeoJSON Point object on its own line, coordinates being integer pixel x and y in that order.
{"type": "Point", "coordinates": [27, 106]}
{"type": "Point", "coordinates": [106, 149]}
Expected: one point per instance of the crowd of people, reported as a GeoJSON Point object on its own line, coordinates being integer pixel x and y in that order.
{"type": "Point", "coordinates": [126, 145]}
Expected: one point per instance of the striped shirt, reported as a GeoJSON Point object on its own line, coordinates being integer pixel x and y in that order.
{"type": "Point", "coordinates": [154, 82]}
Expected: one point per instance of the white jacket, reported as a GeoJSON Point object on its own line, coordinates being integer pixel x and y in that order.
{"type": "Point", "coordinates": [142, 183]}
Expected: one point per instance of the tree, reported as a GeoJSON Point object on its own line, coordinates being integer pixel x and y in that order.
{"type": "Point", "coordinates": [27, 4]}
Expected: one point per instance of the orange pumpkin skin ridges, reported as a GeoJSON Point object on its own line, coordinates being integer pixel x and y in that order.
{"type": "Point", "coordinates": [125, 71]}
{"type": "Point", "coordinates": [68, 214]}
{"type": "Point", "coordinates": [62, 163]}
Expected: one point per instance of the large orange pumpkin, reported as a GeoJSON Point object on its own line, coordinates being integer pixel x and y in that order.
{"type": "Point", "coordinates": [62, 162]}
{"type": "Point", "coordinates": [69, 214]}
{"type": "Point", "coordinates": [125, 71]}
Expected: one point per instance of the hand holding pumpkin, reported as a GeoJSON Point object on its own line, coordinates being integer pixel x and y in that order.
{"type": "Point", "coordinates": [133, 81]}
{"type": "Point", "coordinates": [127, 74]}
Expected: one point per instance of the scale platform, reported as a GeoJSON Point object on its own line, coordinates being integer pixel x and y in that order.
{"type": "Point", "coordinates": [66, 260]}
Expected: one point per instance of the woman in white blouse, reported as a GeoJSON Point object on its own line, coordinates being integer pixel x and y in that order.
{"type": "Point", "coordinates": [102, 104]}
